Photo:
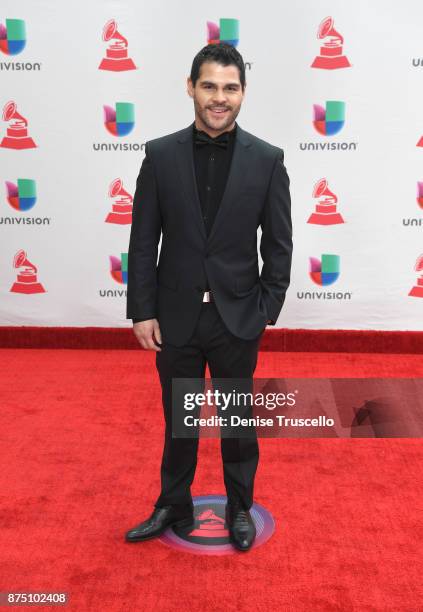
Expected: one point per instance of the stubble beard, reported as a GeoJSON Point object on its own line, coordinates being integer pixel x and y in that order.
{"type": "Point", "coordinates": [218, 126]}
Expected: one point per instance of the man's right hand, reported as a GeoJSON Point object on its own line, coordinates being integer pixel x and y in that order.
{"type": "Point", "coordinates": [147, 332]}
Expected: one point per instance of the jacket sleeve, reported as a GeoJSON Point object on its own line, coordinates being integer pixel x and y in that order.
{"type": "Point", "coordinates": [143, 245]}
{"type": "Point", "coordinates": [139, 320]}
{"type": "Point", "coordinates": [276, 240]}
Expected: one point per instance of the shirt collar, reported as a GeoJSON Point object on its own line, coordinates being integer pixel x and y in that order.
{"type": "Point", "coordinates": [232, 133]}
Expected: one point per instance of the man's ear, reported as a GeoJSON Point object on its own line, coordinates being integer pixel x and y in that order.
{"type": "Point", "coordinates": [190, 87]}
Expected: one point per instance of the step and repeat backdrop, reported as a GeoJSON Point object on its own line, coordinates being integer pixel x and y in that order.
{"type": "Point", "coordinates": [338, 86]}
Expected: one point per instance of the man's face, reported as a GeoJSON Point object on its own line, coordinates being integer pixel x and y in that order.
{"type": "Point", "coordinates": [217, 96]}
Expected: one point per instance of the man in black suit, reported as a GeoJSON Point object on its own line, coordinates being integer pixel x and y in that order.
{"type": "Point", "coordinates": [206, 189]}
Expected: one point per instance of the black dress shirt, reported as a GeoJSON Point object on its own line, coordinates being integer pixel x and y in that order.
{"type": "Point", "coordinates": [212, 163]}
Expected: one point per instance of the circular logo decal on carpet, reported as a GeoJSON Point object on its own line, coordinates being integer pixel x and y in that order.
{"type": "Point", "coordinates": [209, 534]}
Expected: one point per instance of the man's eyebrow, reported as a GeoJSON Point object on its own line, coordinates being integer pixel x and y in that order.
{"type": "Point", "coordinates": [226, 85]}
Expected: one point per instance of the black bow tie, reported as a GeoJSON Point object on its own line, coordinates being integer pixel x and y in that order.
{"type": "Point", "coordinates": [202, 138]}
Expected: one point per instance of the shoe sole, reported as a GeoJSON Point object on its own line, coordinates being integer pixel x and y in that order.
{"type": "Point", "coordinates": [182, 523]}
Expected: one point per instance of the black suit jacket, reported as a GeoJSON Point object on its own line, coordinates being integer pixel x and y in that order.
{"type": "Point", "coordinates": [166, 203]}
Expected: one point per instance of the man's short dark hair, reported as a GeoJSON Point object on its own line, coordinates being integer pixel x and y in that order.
{"type": "Point", "coordinates": [223, 54]}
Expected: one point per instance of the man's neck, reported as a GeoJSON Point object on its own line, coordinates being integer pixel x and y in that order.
{"type": "Point", "coordinates": [212, 133]}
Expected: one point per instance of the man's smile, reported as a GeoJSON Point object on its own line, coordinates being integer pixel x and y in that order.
{"type": "Point", "coordinates": [218, 112]}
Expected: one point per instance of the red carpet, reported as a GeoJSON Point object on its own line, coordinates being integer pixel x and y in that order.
{"type": "Point", "coordinates": [81, 442]}
{"type": "Point", "coordinates": [279, 339]}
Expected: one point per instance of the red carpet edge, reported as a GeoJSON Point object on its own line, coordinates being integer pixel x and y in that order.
{"type": "Point", "coordinates": [284, 340]}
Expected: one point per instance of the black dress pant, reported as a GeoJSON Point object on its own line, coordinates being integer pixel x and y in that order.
{"type": "Point", "coordinates": [227, 357]}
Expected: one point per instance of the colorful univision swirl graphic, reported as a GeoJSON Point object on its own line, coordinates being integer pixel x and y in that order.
{"type": "Point", "coordinates": [330, 120]}
{"type": "Point", "coordinates": [226, 32]}
{"type": "Point", "coordinates": [119, 121]}
{"type": "Point", "coordinates": [420, 194]}
{"type": "Point", "coordinates": [326, 271]}
{"type": "Point", "coordinates": [12, 36]}
{"type": "Point", "coordinates": [23, 195]}
{"type": "Point", "coordinates": [119, 268]}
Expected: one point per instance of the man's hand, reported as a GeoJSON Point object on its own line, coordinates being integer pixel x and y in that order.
{"type": "Point", "coordinates": [148, 331]}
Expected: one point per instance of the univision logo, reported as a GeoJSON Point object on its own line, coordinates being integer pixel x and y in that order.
{"type": "Point", "coordinates": [119, 268]}
{"type": "Point", "coordinates": [329, 120]}
{"type": "Point", "coordinates": [119, 273]}
{"type": "Point", "coordinates": [416, 222]}
{"type": "Point", "coordinates": [227, 31]}
{"type": "Point", "coordinates": [12, 36]}
{"type": "Point", "coordinates": [119, 121]}
{"type": "Point", "coordinates": [323, 272]}
{"type": "Point", "coordinates": [22, 196]}
{"type": "Point", "coordinates": [13, 42]}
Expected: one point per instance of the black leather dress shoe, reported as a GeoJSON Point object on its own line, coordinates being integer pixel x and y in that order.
{"type": "Point", "coordinates": [159, 521]}
{"type": "Point", "coordinates": [242, 531]}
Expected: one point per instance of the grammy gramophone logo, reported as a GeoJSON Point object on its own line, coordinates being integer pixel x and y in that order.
{"type": "Point", "coordinates": [121, 212]}
{"type": "Point", "coordinates": [325, 212]}
{"type": "Point", "coordinates": [17, 131]}
{"type": "Point", "coordinates": [417, 290]}
{"type": "Point", "coordinates": [331, 55]}
{"type": "Point", "coordinates": [116, 59]}
{"type": "Point", "coordinates": [208, 534]}
{"type": "Point", "coordinates": [26, 281]}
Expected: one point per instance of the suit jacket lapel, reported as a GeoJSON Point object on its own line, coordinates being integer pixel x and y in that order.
{"type": "Point", "coordinates": [237, 173]}
{"type": "Point", "coordinates": [238, 170]}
